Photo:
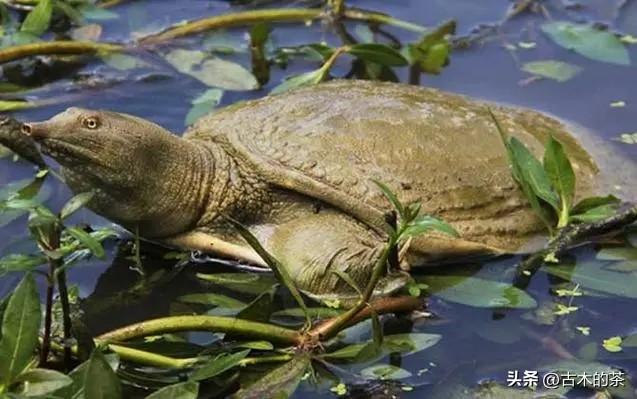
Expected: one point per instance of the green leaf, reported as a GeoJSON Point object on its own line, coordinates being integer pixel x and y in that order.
{"type": "Point", "coordinates": [214, 72]}
{"type": "Point", "coordinates": [260, 309]}
{"type": "Point", "coordinates": [87, 241]}
{"type": "Point", "coordinates": [94, 13]}
{"type": "Point", "coordinates": [20, 328]}
{"type": "Point", "coordinates": [348, 279]}
{"type": "Point", "coordinates": [613, 344]}
{"type": "Point", "coordinates": [385, 372]}
{"type": "Point", "coordinates": [377, 331]}
{"type": "Point", "coordinates": [591, 275]}
{"type": "Point", "coordinates": [408, 344]}
{"type": "Point", "coordinates": [305, 79]}
{"type": "Point", "coordinates": [256, 345]}
{"type": "Point", "coordinates": [279, 270]}
{"type": "Point", "coordinates": [595, 214]}
{"type": "Point", "coordinates": [517, 170]}
{"type": "Point", "coordinates": [75, 204]}
{"type": "Point", "coordinates": [219, 365]}
{"type": "Point", "coordinates": [425, 223]}
{"type": "Point", "coordinates": [100, 381]}
{"type": "Point", "coordinates": [552, 69]}
{"type": "Point", "coordinates": [203, 104]}
{"type": "Point", "coordinates": [628, 138]}
{"type": "Point", "coordinates": [20, 263]}
{"type": "Point", "coordinates": [477, 292]}
{"type": "Point", "coordinates": [594, 202]}
{"type": "Point", "coordinates": [559, 170]}
{"type": "Point", "coordinates": [392, 198]}
{"type": "Point", "coordinates": [532, 172]}
{"type": "Point", "coordinates": [280, 382]}
{"type": "Point", "coordinates": [378, 53]}
{"type": "Point", "coordinates": [39, 382]}
{"type": "Point", "coordinates": [588, 41]}
{"type": "Point", "coordinates": [182, 390]}
{"type": "Point", "coordinates": [346, 353]}
{"type": "Point", "coordinates": [213, 300]}
{"type": "Point", "coordinates": [617, 254]}
{"type": "Point", "coordinates": [37, 21]}
{"type": "Point", "coordinates": [122, 62]}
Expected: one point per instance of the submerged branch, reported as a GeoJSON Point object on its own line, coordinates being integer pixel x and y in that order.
{"type": "Point", "coordinates": [163, 325]}
{"type": "Point", "coordinates": [273, 15]}
{"type": "Point", "coordinates": [568, 237]}
{"type": "Point", "coordinates": [62, 47]}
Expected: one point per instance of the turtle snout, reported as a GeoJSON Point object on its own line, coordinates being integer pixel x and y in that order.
{"type": "Point", "coordinates": [35, 130]}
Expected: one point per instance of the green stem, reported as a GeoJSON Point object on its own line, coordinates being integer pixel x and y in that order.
{"type": "Point", "coordinates": [163, 325]}
{"type": "Point", "coordinates": [273, 15]}
{"type": "Point", "coordinates": [249, 361]}
{"type": "Point", "coordinates": [151, 359]}
{"type": "Point", "coordinates": [62, 47]}
{"type": "Point", "coordinates": [330, 329]}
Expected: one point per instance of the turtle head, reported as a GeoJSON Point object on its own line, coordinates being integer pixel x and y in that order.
{"type": "Point", "coordinates": [127, 161]}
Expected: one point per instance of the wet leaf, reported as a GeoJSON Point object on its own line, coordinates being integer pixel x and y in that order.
{"type": "Point", "coordinates": [260, 309]}
{"type": "Point", "coordinates": [302, 80]}
{"type": "Point", "coordinates": [591, 275]}
{"type": "Point", "coordinates": [203, 104]}
{"type": "Point", "coordinates": [279, 383]}
{"type": "Point", "coordinates": [378, 53]}
{"type": "Point", "coordinates": [626, 138]}
{"type": "Point", "coordinates": [256, 345]}
{"type": "Point", "coordinates": [385, 372]}
{"type": "Point", "coordinates": [214, 72]}
{"type": "Point", "coordinates": [92, 12]}
{"type": "Point", "coordinates": [477, 292]}
{"type": "Point", "coordinates": [552, 69]}
{"type": "Point", "coordinates": [40, 382]}
{"type": "Point", "coordinates": [20, 329]}
{"type": "Point", "coordinates": [613, 344]}
{"type": "Point", "coordinates": [218, 365]}
{"type": "Point", "coordinates": [588, 41]}
{"type": "Point", "coordinates": [408, 344]}
{"type": "Point", "coordinates": [87, 241]}
{"type": "Point", "coordinates": [259, 36]}
{"type": "Point", "coordinates": [213, 300]}
{"type": "Point", "coordinates": [37, 21]}
{"type": "Point", "coordinates": [75, 203]}
{"type": "Point", "coordinates": [617, 253]}
{"type": "Point", "coordinates": [348, 352]}
{"type": "Point", "coordinates": [279, 270]}
{"type": "Point", "coordinates": [122, 62]}
{"type": "Point", "coordinates": [182, 390]}
{"type": "Point", "coordinates": [100, 381]}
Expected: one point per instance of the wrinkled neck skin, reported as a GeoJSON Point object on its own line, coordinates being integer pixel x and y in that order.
{"type": "Point", "coordinates": [167, 190]}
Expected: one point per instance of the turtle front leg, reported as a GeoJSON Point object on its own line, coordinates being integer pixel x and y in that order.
{"type": "Point", "coordinates": [315, 245]}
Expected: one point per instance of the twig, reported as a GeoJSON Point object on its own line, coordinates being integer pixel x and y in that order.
{"type": "Point", "coordinates": [48, 317]}
{"type": "Point", "coordinates": [163, 325]}
{"type": "Point", "coordinates": [273, 15]}
{"type": "Point", "coordinates": [62, 47]}
{"type": "Point", "coordinates": [568, 237]}
{"type": "Point", "coordinates": [66, 317]}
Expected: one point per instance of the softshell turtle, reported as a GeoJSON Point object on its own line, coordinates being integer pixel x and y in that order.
{"type": "Point", "coordinates": [297, 169]}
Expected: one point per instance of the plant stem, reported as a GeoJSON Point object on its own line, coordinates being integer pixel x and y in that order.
{"type": "Point", "coordinates": [151, 359]}
{"type": "Point", "coordinates": [66, 317]}
{"type": "Point", "coordinates": [569, 236]}
{"type": "Point", "coordinates": [163, 325]}
{"type": "Point", "coordinates": [48, 317]}
{"type": "Point", "coordinates": [249, 361]}
{"type": "Point", "coordinates": [273, 15]}
{"type": "Point", "coordinates": [332, 327]}
{"type": "Point", "coordinates": [62, 47]}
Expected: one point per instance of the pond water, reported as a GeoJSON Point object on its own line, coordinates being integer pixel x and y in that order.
{"type": "Point", "coordinates": [478, 344]}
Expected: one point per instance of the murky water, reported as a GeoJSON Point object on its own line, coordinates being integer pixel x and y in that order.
{"type": "Point", "coordinates": [477, 344]}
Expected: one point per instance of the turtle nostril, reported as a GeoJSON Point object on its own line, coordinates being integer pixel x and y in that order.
{"type": "Point", "coordinates": [27, 129]}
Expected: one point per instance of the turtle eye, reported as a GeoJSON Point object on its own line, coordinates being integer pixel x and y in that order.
{"type": "Point", "coordinates": [91, 123]}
